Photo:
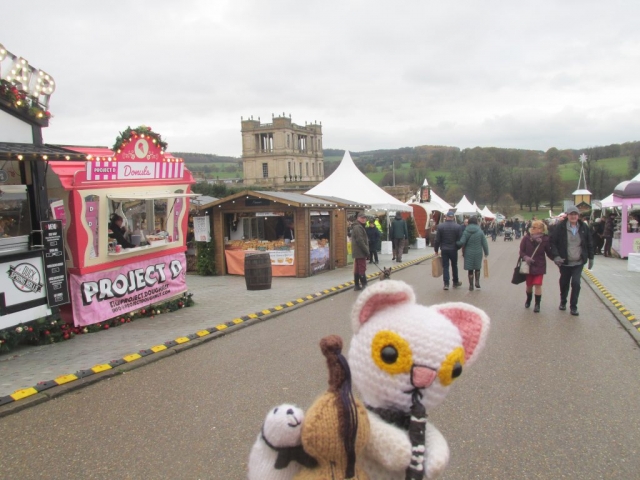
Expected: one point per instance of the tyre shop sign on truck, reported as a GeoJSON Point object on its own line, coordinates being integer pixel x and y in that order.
{"type": "Point", "coordinates": [107, 294]}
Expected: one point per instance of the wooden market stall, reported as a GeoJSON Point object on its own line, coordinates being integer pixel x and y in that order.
{"type": "Point", "coordinates": [298, 231]}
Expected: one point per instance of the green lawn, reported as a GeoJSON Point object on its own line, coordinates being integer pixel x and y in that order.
{"type": "Point", "coordinates": [616, 166]}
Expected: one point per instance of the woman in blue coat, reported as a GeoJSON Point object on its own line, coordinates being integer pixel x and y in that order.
{"type": "Point", "coordinates": [533, 248]}
{"type": "Point", "coordinates": [474, 243]}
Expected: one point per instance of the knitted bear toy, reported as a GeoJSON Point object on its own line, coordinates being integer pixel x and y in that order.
{"type": "Point", "coordinates": [403, 359]}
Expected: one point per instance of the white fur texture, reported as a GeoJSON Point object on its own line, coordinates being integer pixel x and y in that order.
{"type": "Point", "coordinates": [282, 428]}
{"type": "Point", "coordinates": [432, 334]}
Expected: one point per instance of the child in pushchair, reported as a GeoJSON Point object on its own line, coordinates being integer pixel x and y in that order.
{"type": "Point", "coordinates": [508, 234]}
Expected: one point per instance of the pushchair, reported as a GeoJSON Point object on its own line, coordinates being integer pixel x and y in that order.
{"type": "Point", "coordinates": [508, 234]}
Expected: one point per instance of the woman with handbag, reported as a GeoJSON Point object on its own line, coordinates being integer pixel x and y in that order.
{"type": "Point", "coordinates": [533, 248]}
{"type": "Point", "coordinates": [473, 243]}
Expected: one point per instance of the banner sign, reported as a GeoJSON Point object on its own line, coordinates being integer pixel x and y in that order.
{"type": "Point", "coordinates": [320, 259]}
{"type": "Point", "coordinates": [122, 170]}
{"type": "Point", "coordinates": [256, 202]}
{"type": "Point", "coordinates": [282, 257]}
{"type": "Point", "coordinates": [55, 268]}
{"type": "Point", "coordinates": [138, 160]}
{"type": "Point", "coordinates": [102, 295]}
{"type": "Point", "coordinates": [22, 290]}
{"type": "Point", "coordinates": [201, 229]}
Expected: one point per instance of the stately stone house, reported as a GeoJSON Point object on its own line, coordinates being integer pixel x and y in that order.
{"type": "Point", "coordinates": [281, 153]}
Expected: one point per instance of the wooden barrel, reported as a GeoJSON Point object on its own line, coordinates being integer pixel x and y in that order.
{"type": "Point", "coordinates": [257, 271]}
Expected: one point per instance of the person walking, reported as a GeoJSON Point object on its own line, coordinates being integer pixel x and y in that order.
{"type": "Point", "coordinates": [607, 234]}
{"type": "Point", "coordinates": [360, 252]}
{"type": "Point", "coordinates": [598, 235]}
{"type": "Point", "coordinates": [373, 234]}
{"type": "Point", "coordinates": [447, 234]}
{"type": "Point", "coordinates": [399, 234]}
{"type": "Point", "coordinates": [473, 243]}
{"type": "Point", "coordinates": [533, 249]}
{"type": "Point", "coordinates": [571, 247]}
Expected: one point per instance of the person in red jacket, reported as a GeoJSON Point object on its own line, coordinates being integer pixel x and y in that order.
{"type": "Point", "coordinates": [533, 248]}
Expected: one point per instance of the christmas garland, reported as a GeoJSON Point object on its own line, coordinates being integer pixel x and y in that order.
{"type": "Point", "coordinates": [44, 331]}
{"type": "Point", "coordinates": [126, 136]}
{"type": "Point", "coordinates": [21, 102]}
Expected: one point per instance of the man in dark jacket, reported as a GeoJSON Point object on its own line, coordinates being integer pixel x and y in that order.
{"type": "Point", "coordinates": [608, 234]}
{"type": "Point", "coordinates": [359, 252]}
{"type": "Point", "coordinates": [447, 235]}
{"type": "Point", "coordinates": [571, 248]}
{"type": "Point", "coordinates": [399, 234]}
{"type": "Point", "coordinates": [373, 234]}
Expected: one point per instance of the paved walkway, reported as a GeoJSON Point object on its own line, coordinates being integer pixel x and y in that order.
{"type": "Point", "coordinates": [221, 300]}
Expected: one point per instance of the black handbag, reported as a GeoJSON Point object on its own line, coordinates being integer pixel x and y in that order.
{"type": "Point", "coordinates": [518, 277]}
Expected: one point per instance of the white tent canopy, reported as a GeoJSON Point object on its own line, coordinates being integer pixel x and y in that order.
{"type": "Point", "coordinates": [350, 183]}
{"type": "Point", "coordinates": [475, 205]}
{"type": "Point", "coordinates": [464, 206]}
{"type": "Point", "coordinates": [486, 213]}
{"type": "Point", "coordinates": [609, 202]}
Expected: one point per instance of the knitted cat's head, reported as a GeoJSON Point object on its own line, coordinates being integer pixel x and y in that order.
{"type": "Point", "coordinates": [400, 349]}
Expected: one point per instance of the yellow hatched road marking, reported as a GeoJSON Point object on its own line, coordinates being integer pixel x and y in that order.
{"type": "Point", "coordinates": [158, 348]}
{"type": "Point", "coordinates": [181, 340]}
{"type": "Point", "coordinates": [222, 326]}
{"type": "Point", "coordinates": [266, 312]}
{"type": "Point", "coordinates": [309, 297]}
{"type": "Point", "coordinates": [289, 304]}
{"type": "Point", "coordinates": [132, 357]}
{"type": "Point", "coordinates": [237, 320]}
{"type": "Point", "coordinates": [279, 307]}
{"type": "Point", "coordinates": [300, 300]}
{"type": "Point", "coordinates": [101, 368]}
{"type": "Point", "coordinates": [252, 315]}
{"type": "Point", "coordinates": [23, 393]}
{"type": "Point", "coordinates": [202, 333]}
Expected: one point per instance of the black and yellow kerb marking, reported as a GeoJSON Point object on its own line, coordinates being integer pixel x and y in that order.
{"type": "Point", "coordinates": [42, 386]}
{"type": "Point", "coordinates": [630, 316]}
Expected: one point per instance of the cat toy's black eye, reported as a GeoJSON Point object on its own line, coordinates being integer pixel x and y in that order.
{"type": "Point", "coordinates": [389, 354]}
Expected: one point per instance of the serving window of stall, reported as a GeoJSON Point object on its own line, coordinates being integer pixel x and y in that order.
{"type": "Point", "coordinates": [15, 218]}
{"type": "Point", "coordinates": [319, 251]}
{"type": "Point", "coordinates": [150, 219]}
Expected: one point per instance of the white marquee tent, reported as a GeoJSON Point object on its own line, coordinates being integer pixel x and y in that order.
{"type": "Point", "coordinates": [486, 213]}
{"type": "Point", "coordinates": [350, 183]}
{"type": "Point", "coordinates": [464, 207]}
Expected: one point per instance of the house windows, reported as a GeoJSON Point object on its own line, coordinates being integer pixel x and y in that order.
{"type": "Point", "coordinates": [265, 170]}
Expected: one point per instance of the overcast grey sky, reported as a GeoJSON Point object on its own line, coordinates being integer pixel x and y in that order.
{"type": "Point", "coordinates": [377, 74]}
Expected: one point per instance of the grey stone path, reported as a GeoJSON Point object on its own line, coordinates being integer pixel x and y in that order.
{"type": "Point", "coordinates": [219, 300]}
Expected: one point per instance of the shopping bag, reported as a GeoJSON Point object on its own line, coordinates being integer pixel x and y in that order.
{"type": "Point", "coordinates": [485, 267]}
{"type": "Point", "coordinates": [436, 267]}
{"type": "Point", "coordinates": [518, 277]}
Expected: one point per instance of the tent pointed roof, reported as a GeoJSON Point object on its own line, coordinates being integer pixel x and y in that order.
{"type": "Point", "coordinates": [465, 206]}
{"type": "Point", "coordinates": [425, 183]}
{"type": "Point", "coordinates": [486, 213]}
{"type": "Point", "coordinates": [350, 183]}
{"type": "Point", "coordinates": [475, 205]}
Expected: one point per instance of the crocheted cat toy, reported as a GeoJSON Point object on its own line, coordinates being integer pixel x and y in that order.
{"type": "Point", "coordinates": [277, 453]}
{"type": "Point", "coordinates": [404, 358]}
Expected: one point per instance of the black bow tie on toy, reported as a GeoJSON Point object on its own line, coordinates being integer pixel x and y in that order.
{"type": "Point", "coordinates": [288, 454]}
